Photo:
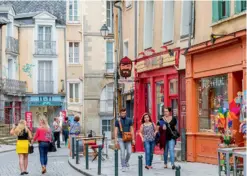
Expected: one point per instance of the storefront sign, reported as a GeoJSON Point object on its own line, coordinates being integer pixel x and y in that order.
{"type": "Point", "coordinates": [46, 101]}
{"type": "Point", "coordinates": [125, 67]}
{"type": "Point", "coordinates": [29, 120]}
{"type": "Point", "coordinates": [155, 62]}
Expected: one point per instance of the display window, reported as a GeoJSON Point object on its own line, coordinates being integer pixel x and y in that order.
{"type": "Point", "coordinates": [159, 99]}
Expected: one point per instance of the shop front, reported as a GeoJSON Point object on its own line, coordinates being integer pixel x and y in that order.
{"type": "Point", "coordinates": [156, 87]}
{"type": "Point", "coordinates": [215, 74]}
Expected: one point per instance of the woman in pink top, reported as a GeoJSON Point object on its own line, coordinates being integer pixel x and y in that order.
{"type": "Point", "coordinates": [44, 137]}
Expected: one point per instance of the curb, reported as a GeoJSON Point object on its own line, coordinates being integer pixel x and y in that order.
{"type": "Point", "coordinates": [79, 170]}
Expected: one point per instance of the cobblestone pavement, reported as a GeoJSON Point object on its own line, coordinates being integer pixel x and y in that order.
{"type": "Point", "coordinates": [57, 164]}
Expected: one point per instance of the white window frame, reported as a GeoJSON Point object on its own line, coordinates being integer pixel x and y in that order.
{"type": "Point", "coordinates": [104, 97]}
{"type": "Point", "coordinates": [126, 49]}
{"type": "Point", "coordinates": [101, 124]}
{"type": "Point", "coordinates": [164, 23]}
{"type": "Point", "coordinates": [73, 15]}
{"type": "Point", "coordinates": [113, 57]}
{"type": "Point", "coordinates": [79, 88]}
{"type": "Point", "coordinates": [110, 28]}
{"type": "Point", "coordinates": [73, 57]}
{"type": "Point", "coordinates": [145, 44]}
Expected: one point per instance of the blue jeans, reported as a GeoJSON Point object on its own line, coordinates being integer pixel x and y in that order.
{"type": "Point", "coordinates": [149, 152]}
{"type": "Point", "coordinates": [170, 145]}
{"type": "Point", "coordinates": [124, 146]}
{"type": "Point", "coordinates": [66, 136]}
{"type": "Point", "coordinates": [43, 151]}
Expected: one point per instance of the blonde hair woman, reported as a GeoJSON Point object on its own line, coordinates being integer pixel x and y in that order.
{"type": "Point", "coordinates": [24, 135]}
{"type": "Point", "coordinates": [44, 137]}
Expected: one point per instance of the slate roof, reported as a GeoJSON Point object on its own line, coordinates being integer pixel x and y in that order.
{"type": "Point", "coordinates": [3, 20]}
{"type": "Point", "coordinates": [27, 9]}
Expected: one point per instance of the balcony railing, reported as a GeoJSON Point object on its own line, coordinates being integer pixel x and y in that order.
{"type": "Point", "coordinates": [43, 47]}
{"type": "Point", "coordinates": [13, 87]}
{"type": "Point", "coordinates": [45, 86]}
{"type": "Point", "coordinates": [109, 67]}
{"type": "Point", "coordinates": [12, 45]}
{"type": "Point", "coordinates": [106, 106]}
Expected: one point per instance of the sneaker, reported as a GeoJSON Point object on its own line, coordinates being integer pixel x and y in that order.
{"type": "Point", "coordinates": [173, 167]}
{"type": "Point", "coordinates": [123, 169]}
{"type": "Point", "coordinates": [127, 166]}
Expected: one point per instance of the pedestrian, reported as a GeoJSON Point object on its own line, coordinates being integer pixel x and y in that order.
{"type": "Point", "coordinates": [124, 136]}
{"type": "Point", "coordinates": [168, 124]}
{"type": "Point", "coordinates": [75, 130]}
{"type": "Point", "coordinates": [24, 135]}
{"type": "Point", "coordinates": [44, 137]}
{"type": "Point", "coordinates": [65, 130]}
{"type": "Point", "coordinates": [57, 131]}
{"type": "Point", "coordinates": [147, 134]}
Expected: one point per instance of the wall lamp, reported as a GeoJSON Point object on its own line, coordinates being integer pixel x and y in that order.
{"type": "Point", "coordinates": [214, 36]}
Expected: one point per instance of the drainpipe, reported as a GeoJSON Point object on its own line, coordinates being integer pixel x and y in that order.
{"type": "Point", "coordinates": [1, 85]}
{"type": "Point", "coordinates": [135, 33]}
{"type": "Point", "coordinates": [65, 60]}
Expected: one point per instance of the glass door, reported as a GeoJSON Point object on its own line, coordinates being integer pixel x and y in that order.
{"type": "Point", "coordinates": [159, 93]}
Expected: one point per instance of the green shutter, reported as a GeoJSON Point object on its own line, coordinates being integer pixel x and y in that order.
{"type": "Point", "coordinates": [237, 6]}
{"type": "Point", "coordinates": [228, 9]}
{"type": "Point", "coordinates": [215, 10]}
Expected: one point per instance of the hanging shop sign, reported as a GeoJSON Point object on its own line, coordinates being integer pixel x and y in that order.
{"type": "Point", "coordinates": [29, 120]}
{"type": "Point", "coordinates": [155, 62]}
{"type": "Point", "coordinates": [125, 67]}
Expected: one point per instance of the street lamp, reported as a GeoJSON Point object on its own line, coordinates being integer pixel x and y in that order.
{"type": "Point", "coordinates": [104, 31]}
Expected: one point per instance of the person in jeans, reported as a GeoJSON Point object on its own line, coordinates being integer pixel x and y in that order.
{"type": "Point", "coordinates": [23, 135]}
{"type": "Point", "coordinates": [65, 130]}
{"type": "Point", "coordinates": [57, 131]}
{"type": "Point", "coordinates": [44, 137]}
{"type": "Point", "coordinates": [75, 130]}
{"type": "Point", "coordinates": [147, 133]}
{"type": "Point", "coordinates": [170, 142]}
{"type": "Point", "coordinates": [127, 126]}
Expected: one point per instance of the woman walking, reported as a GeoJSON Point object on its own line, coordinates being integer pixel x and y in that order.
{"type": "Point", "coordinates": [44, 137]}
{"type": "Point", "coordinates": [65, 129]}
{"type": "Point", "coordinates": [168, 124]}
{"type": "Point", "coordinates": [75, 130]}
{"type": "Point", "coordinates": [147, 133]}
{"type": "Point", "coordinates": [24, 135]}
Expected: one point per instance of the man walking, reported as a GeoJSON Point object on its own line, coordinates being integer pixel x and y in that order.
{"type": "Point", "coordinates": [57, 131]}
{"type": "Point", "coordinates": [124, 136]}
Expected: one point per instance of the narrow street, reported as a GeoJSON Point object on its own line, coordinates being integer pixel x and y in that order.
{"type": "Point", "coordinates": [57, 164]}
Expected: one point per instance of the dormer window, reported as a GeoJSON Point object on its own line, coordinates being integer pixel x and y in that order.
{"type": "Point", "coordinates": [73, 10]}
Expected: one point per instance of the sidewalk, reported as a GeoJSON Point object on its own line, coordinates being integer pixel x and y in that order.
{"type": "Point", "coordinates": [10, 148]}
{"type": "Point", "coordinates": [107, 169]}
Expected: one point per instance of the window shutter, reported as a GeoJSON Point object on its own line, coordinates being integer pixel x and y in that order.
{"type": "Point", "coordinates": [237, 6]}
{"type": "Point", "coordinates": [228, 3]}
{"type": "Point", "coordinates": [215, 10]}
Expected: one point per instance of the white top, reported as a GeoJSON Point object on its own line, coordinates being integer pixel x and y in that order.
{"type": "Point", "coordinates": [56, 126]}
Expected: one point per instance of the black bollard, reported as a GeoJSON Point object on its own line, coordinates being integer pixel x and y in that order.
{"type": "Point", "coordinates": [116, 162]}
{"type": "Point", "coordinates": [99, 161]}
{"type": "Point", "coordinates": [73, 147]}
{"type": "Point", "coordinates": [87, 167]}
{"type": "Point", "coordinates": [77, 152]}
{"type": "Point", "coordinates": [140, 167]}
{"type": "Point", "coordinates": [177, 172]}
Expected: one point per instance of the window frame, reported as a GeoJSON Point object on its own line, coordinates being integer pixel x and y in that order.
{"type": "Point", "coordinates": [217, 10]}
{"type": "Point", "coordinates": [110, 28]}
{"type": "Point", "coordinates": [73, 11]}
{"type": "Point", "coordinates": [145, 44]}
{"type": "Point", "coordinates": [109, 70]}
{"type": "Point", "coordinates": [73, 92]}
{"type": "Point", "coordinates": [73, 53]}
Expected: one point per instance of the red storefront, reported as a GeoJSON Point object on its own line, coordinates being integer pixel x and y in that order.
{"type": "Point", "coordinates": [156, 86]}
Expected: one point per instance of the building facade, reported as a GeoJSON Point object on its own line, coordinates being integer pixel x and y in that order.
{"type": "Point", "coordinates": [40, 27]}
{"type": "Point", "coordinates": [98, 60]}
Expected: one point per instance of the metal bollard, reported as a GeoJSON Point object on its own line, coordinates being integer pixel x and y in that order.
{"type": "Point", "coordinates": [140, 165]}
{"type": "Point", "coordinates": [77, 152]}
{"type": "Point", "coordinates": [177, 172]}
{"type": "Point", "coordinates": [86, 156]}
{"type": "Point", "coordinates": [73, 147]}
{"type": "Point", "coordinates": [99, 160]}
{"type": "Point", "coordinates": [116, 162]}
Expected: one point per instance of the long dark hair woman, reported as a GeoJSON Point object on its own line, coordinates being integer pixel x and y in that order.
{"type": "Point", "coordinates": [147, 133]}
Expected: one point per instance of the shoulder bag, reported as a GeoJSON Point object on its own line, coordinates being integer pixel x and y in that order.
{"type": "Point", "coordinates": [126, 136]}
{"type": "Point", "coordinates": [175, 134]}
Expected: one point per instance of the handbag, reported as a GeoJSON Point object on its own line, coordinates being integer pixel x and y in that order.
{"type": "Point", "coordinates": [30, 149]}
{"type": "Point", "coordinates": [126, 136]}
{"type": "Point", "coordinates": [52, 147]}
{"type": "Point", "coordinates": [157, 137]}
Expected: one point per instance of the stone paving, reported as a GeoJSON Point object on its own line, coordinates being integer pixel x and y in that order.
{"type": "Point", "coordinates": [187, 169]}
{"type": "Point", "coordinates": [57, 164]}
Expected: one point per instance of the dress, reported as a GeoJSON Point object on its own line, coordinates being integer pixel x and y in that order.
{"type": "Point", "coordinates": [22, 143]}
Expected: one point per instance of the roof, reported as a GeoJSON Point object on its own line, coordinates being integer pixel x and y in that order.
{"type": "Point", "coordinates": [3, 20]}
{"type": "Point", "coordinates": [26, 15]}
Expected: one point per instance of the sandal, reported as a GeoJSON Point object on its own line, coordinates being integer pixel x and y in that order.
{"type": "Point", "coordinates": [165, 166]}
{"type": "Point", "coordinates": [147, 167]}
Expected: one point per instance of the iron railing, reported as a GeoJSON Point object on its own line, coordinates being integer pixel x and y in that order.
{"type": "Point", "coordinates": [43, 47]}
{"type": "Point", "coordinates": [12, 45]}
{"type": "Point", "coordinates": [45, 86]}
{"type": "Point", "coordinates": [12, 86]}
{"type": "Point", "coordinates": [106, 106]}
{"type": "Point", "coordinates": [109, 67]}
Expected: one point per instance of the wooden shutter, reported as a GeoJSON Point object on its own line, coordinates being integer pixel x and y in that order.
{"type": "Point", "coordinates": [228, 8]}
{"type": "Point", "coordinates": [237, 7]}
{"type": "Point", "coordinates": [215, 10]}
{"type": "Point", "coordinates": [168, 20]}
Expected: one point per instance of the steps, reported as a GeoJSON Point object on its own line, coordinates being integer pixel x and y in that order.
{"type": "Point", "coordinates": [8, 140]}
{"type": "Point", "coordinates": [4, 130]}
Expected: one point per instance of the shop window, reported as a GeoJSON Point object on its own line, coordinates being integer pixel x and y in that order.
{"type": "Point", "coordinates": [148, 99]}
{"type": "Point", "coordinates": [173, 86]}
{"type": "Point", "coordinates": [212, 95]}
{"type": "Point", "coordinates": [159, 99]}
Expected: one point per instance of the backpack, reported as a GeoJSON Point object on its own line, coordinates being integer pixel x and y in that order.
{"type": "Point", "coordinates": [76, 129]}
